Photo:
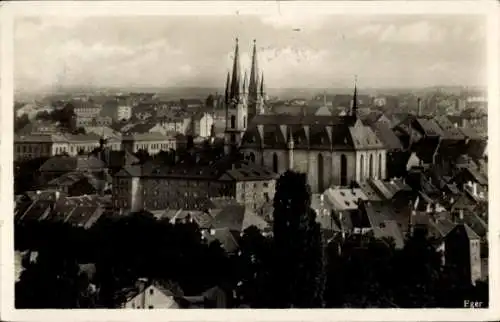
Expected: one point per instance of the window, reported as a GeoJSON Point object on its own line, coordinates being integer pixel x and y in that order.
{"type": "Point", "coordinates": [233, 121]}
{"type": "Point", "coordinates": [380, 166]}
{"type": "Point", "coordinates": [362, 166]}
{"type": "Point", "coordinates": [150, 307]}
{"type": "Point", "coordinates": [151, 291]}
{"type": "Point", "coordinates": [275, 163]}
{"type": "Point", "coordinates": [370, 166]}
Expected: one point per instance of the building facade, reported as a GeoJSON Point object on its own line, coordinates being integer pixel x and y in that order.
{"type": "Point", "coordinates": [136, 188]}
{"type": "Point", "coordinates": [332, 150]}
{"type": "Point", "coordinates": [150, 142]}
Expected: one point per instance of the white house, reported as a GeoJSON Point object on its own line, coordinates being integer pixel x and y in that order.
{"type": "Point", "coordinates": [154, 296]}
{"type": "Point", "coordinates": [202, 124]}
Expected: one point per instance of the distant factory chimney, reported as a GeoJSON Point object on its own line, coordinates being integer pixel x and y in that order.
{"type": "Point", "coordinates": [419, 107]}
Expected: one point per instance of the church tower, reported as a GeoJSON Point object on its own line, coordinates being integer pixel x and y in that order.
{"type": "Point", "coordinates": [255, 97]}
{"type": "Point", "coordinates": [236, 106]}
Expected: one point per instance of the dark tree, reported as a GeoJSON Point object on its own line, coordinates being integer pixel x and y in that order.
{"type": "Point", "coordinates": [254, 266]}
{"type": "Point", "coordinates": [21, 122]}
{"type": "Point", "coordinates": [298, 269]}
{"type": "Point", "coordinates": [209, 102]}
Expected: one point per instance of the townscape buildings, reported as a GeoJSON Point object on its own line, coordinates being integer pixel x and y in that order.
{"type": "Point", "coordinates": [371, 167]}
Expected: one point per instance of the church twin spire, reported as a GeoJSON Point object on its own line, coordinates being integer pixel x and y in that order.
{"type": "Point", "coordinates": [236, 87]}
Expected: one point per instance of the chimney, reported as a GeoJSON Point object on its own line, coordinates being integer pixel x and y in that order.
{"type": "Point", "coordinates": [474, 189]}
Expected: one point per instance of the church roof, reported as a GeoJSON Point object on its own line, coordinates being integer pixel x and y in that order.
{"type": "Point", "coordinates": [310, 132]}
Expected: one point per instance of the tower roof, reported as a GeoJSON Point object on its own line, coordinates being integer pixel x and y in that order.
{"type": "Point", "coordinates": [253, 85]}
{"type": "Point", "coordinates": [262, 86]}
{"type": "Point", "coordinates": [236, 74]}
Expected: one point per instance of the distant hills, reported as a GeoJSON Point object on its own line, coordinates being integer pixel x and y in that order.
{"type": "Point", "coordinates": [174, 93]}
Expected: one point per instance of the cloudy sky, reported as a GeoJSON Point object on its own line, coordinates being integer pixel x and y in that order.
{"type": "Point", "coordinates": [311, 52]}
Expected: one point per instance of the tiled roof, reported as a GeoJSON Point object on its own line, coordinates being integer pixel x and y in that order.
{"type": "Point", "coordinates": [33, 138]}
{"type": "Point", "coordinates": [387, 136]}
{"type": "Point", "coordinates": [391, 229]}
{"type": "Point", "coordinates": [153, 136]}
{"type": "Point", "coordinates": [80, 104]}
{"type": "Point", "coordinates": [71, 178]}
{"type": "Point", "coordinates": [67, 163]}
{"type": "Point", "coordinates": [471, 133]}
{"type": "Point", "coordinates": [224, 236]}
{"type": "Point", "coordinates": [388, 188]}
{"type": "Point", "coordinates": [369, 191]}
{"type": "Point", "coordinates": [36, 210]}
{"type": "Point", "coordinates": [116, 159]}
{"type": "Point", "coordinates": [90, 137]}
{"type": "Point", "coordinates": [440, 227]}
{"type": "Point", "coordinates": [464, 229]}
{"type": "Point", "coordinates": [106, 131]}
{"type": "Point", "coordinates": [450, 132]}
{"type": "Point", "coordinates": [476, 223]}
{"type": "Point", "coordinates": [429, 126]}
{"type": "Point", "coordinates": [344, 198]}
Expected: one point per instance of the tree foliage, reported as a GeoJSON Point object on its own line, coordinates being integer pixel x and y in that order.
{"type": "Point", "coordinates": [298, 250]}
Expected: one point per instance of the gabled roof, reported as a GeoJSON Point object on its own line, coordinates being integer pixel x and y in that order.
{"type": "Point", "coordinates": [67, 163]}
{"type": "Point", "coordinates": [463, 229]}
{"type": "Point", "coordinates": [450, 132]}
{"type": "Point", "coordinates": [344, 198]}
{"type": "Point", "coordinates": [387, 136]}
{"type": "Point", "coordinates": [476, 223]}
{"type": "Point", "coordinates": [69, 179]}
{"type": "Point", "coordinates": [224, 236]}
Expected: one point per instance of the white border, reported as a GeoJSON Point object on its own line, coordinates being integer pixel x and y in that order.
{"type": "Point", "coordinates": [115, 8]}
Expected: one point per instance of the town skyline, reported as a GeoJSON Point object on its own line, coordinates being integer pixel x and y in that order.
{"type": "Point", "coordinates": [325, 51]}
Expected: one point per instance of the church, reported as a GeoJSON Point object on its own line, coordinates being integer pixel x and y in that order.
{"type": "Point", "coordinates": [332, 150]}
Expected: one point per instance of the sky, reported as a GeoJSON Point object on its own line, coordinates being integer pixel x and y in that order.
{"type": "Point", "coordinates": [319, 51]}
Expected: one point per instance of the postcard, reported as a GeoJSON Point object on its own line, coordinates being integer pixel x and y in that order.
{"type": "Point", "coordinates": [268, 161]}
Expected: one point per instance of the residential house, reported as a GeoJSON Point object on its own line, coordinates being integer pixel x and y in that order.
{"type": "Point", "coordinates": [60, 165]}
{"type": "Point", "coordinates": [28, 147]}
{"type": "Point", "coordinates": [201, 124]}
{"type": "Point", "coordinates": [397, 156]}
{"type": "Point", "coordinates": [81, 183]}
{"type": "Point", "coordinates": [463, 253]}
{"type": "Point", "coordinates": [178, 123]}
{"type": "Point", "coordinates": [153, 295]}
{"type": "Point", "coordinates": [85, 112]}
{"type": "Point", "coordinates": [39, 127]}
{"type": "Point", "coordinates": [150, 142]}
{"type": "Point", "coordinates": [81, 211]}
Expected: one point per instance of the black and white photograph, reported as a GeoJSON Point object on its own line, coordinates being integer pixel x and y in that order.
{"type": "Point", "coordinates": [249, 161]}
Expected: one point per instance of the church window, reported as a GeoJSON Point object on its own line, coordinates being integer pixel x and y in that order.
{"type": "Point", "coordinates": [252, 157]}
{"type": "Point", "coordinates": [370, 166]}
{"type": "Point", "coordinates": [275, 162]}
{"type": "Point", "coordinates": [361, 167]}
{"type": "Point", "coordinates": [380, 165]}
{"type": "Point", "coordinates": [244, 121]}
{"type": "Point", "coordinates": [233, 121]}
{"type": "Point", "coordinates": [343, 170]}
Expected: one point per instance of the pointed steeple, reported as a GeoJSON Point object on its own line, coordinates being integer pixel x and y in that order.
{"type": "Point", "coordinates": [236, 76]}
{"type": "Point", "coordinates": [354, 109]}
{"type": "Point", "coordinates": [253, 85]}
{"type": "Point", "coordinates": [262, 87]}
{"type": "Point", "coordinates": [226, 98]}
{"type": "Point", "coordinates": [244, 88]}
